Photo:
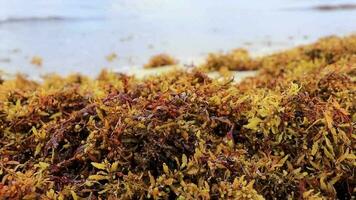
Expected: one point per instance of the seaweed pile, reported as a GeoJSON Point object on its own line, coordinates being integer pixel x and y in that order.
{"type": "Point", "coordinates": [236, 60]}
{"type": "Point", "coordinates": [160, 60]}
{"type": "Point", "coordinates": [326, 50]}
{"type": "Point", "coordinates": [288, 133]}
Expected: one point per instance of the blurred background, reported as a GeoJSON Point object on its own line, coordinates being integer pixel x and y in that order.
{"type": "Point", "coordinates": [89, 35]}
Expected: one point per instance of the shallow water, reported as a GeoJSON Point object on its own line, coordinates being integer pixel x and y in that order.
{"type": "Point", "coordinates": [76, 36]}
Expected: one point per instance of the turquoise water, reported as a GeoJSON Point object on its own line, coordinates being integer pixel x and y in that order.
{"type": "Point", "coordinates": [76, 36]}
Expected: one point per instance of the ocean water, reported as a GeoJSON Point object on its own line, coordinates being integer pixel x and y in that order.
{"type": "Point", "coordinates": [76, 36]}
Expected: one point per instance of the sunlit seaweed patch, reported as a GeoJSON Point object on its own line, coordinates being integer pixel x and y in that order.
{"type": "Point", "coordinates": [287, 133]}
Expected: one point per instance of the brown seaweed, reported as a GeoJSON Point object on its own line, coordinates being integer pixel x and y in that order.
{"type": "Point", "coordinates": [288, 133]}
